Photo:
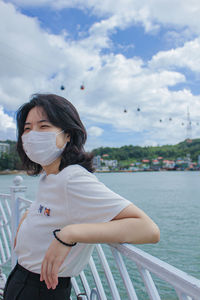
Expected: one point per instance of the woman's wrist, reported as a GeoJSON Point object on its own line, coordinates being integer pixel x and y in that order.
{"type": "Point", "coordinates": [61, 241]}
{"type": "Point", "coordinates": [66, 235]}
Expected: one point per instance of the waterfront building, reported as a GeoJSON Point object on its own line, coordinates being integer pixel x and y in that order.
{"type": "Point", "coordinates": [160, 158]}
{"type": "Point", "coordinates": [111, 163]}
{"type": "Point", "coordinates": [97, 161]}
{"type": "Point", "coordinates": [180, 161]}
{"type": "Point", "coordinates": [145, 160]}
{"type": "Point", "coordinates": [155, 162]}
{"type": "Point", "coordinates": [168, 164]}
{"type": "Point", "coordinates": [145, 164]}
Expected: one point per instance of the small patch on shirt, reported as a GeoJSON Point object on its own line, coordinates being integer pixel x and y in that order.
{"type": "Point", "coordinates": [46, 210]}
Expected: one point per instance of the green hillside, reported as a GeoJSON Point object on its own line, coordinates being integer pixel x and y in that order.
{"type": "Point", "coordinates": [135, 153]}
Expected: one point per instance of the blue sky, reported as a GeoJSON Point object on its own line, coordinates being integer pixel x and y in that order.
{"type": "Point", "coordinates": [127, 54]}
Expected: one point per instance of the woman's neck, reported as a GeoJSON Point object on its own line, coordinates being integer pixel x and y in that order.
{"type": "Point", "coordinates": [52, 168]}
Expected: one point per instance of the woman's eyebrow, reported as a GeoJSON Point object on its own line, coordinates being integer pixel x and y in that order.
{"type": "Point", "coordinates": [28, 123]}
{"type": "Point", "coordinates": [43, 121]}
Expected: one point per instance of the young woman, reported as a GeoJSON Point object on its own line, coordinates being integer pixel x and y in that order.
{"type": "Point", "coordinates": [73, 210]}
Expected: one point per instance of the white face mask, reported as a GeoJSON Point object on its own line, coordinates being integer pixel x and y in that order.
{"type": "Point", "coordinates": [41, 147]}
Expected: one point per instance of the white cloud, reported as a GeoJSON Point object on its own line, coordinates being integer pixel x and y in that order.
{"type": "Point", "coordinates": [5, 120]}
{"type": "Point", "coordinates": [177, 38]}
{"type": "Point", "coordinates": [27, 56]}
{"type": "Point", "coordinates": [95, 131]}
{"type": "Point", "coordinates": [7, 126]}
{"type": "Point", "coordinates": [187, 56]}
{"type": "Point", "coordinates": [34, 60]}
{"type": "Point", "coordinates": [151, 14]}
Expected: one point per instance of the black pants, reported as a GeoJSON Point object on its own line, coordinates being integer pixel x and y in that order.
{"type": "Point", "coordinates": [25, 285]}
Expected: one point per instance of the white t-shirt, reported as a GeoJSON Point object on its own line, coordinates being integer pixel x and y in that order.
{"type": "Point", "coordinates": [72, 196]}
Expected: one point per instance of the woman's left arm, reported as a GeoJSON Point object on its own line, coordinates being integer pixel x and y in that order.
{"type": "Point", "coordinates": [131, 225]}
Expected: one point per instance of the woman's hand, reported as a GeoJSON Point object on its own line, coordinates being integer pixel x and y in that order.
{"type": "Point", "coordinates": [52, 261]}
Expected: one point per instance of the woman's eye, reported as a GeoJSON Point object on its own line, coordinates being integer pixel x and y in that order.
{"type": "Point", "coordinates": [43, 126]}
{"type": "Point", "coordinates": [26, 129]}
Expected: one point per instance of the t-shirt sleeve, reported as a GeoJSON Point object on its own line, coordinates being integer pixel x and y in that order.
{"type": "Point", "coordinates": [90, 201]}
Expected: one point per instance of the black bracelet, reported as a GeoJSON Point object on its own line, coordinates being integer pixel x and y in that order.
{"type": "Point", "coordinates": [69, 245]}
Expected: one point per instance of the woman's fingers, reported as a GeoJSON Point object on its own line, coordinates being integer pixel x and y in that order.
{"type": "Point", "coordinates": [45, 272]}
{"type": "Point", "coordinates": [41, 273]}
{"type": "Point", "coordinates": [54, 272]}
{"type": "Point", "coordinates": [48, 274]}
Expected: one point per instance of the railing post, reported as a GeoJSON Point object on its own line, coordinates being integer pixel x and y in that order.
{"type": "Point", "coordinates": [2, 281]}
{"type": "Point", "coordinates": [94, 294]}
{"type": "Point", "coordinates": [82, 296]}
{"type": "Point", "coordinates": [17, 190]}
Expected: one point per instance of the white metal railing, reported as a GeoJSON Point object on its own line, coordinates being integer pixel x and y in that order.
{"type": "Point", "coordinates": [5, 236]}
{"type": "Point", "coordinates": [5, 231]}
{"type": "Point", "coordinates": [186, 286]}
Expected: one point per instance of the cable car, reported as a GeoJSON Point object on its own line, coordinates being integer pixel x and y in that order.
{"type": "Point", "coordinates": [82, 87]}
{"type": "Point", "coordinates": [62, 87]}
{"type": "Point", "coordinates": [160, 120]}
{"type": "Point", "coordinates": [138, 109]}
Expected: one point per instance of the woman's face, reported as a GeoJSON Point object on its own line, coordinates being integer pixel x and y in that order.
{"type": "Point", "coordinates": [37, 120]}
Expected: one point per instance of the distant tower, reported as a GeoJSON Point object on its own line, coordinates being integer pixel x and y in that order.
{"type": "Point", "coordinates": [189, 127]}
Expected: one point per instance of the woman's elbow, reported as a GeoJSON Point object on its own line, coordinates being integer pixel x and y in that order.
{"type": "Point", "coordinates": [155, 234]}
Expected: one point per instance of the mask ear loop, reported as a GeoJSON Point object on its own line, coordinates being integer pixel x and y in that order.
{"type": "Point", "coordinates": [64, 146]}
{"type": "Point", "coordinates": [59, 132]}
{"type": "Point", "coordinates": [65, 143]}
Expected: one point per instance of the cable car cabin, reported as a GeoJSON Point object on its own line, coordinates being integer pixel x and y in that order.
{"type": "Point", "coordinates": [125, 111]}
{"type": "Point", "coordinates": [82, 87]}
{"type": "Point", "coordinates": [62, 87]}
{"type": "Point", "coordinates": [138, 109]}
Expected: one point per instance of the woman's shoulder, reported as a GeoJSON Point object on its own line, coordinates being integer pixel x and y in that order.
{"type": "Point", "coordinates": [75, 170]}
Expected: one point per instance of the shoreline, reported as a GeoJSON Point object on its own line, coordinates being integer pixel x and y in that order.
{"type": "Point", "coordinates": [12, 172]}
{"type": "Point", "coordinates": [139, 171]}
{"type": "Point", "coordinates": [22, 172]}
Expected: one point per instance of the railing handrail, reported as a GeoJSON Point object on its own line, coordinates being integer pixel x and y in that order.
{"type": "Point", "coordinates": [4, 195]}
{"type": "Point", "coordinates": [25, 200]}
{"type": "Point", "coordinates": [177, 278]}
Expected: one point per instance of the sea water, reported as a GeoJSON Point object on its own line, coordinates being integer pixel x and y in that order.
{"type": "Point", "coordinates": [171, 199]}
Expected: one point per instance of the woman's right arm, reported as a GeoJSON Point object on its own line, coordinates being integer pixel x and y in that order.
{"type": "Point", "coordinates": [20, 223]}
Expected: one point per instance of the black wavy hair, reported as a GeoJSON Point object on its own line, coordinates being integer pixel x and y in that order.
{"type": "Point", "coordinates": [61, 113]}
